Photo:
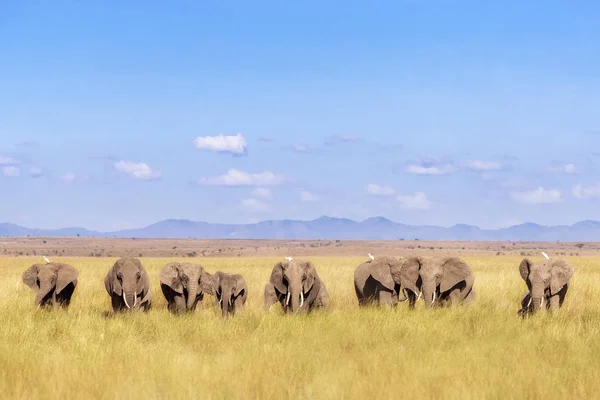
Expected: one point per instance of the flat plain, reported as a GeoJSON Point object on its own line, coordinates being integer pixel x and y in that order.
{"type": "Point", "coordinates": [479, 351]}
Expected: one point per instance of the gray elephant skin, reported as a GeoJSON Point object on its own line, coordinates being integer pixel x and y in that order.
{"type": "Point", "coordinates": [128, 285]}
{"type": "Point", "coordinates": [547, 284]}
{"type": "Point", "coordinates": [52, 283]}
{"type": "Point", "coordinates": [231, 292]}
{"type": "Point", "coordinates": [184, 286]}
{"type": "Point", "coordinates": [446, 281]}
{"type": "Point", "coordinates": [296, 286]}
{"type": "Point", "coordinates": [380, 281]}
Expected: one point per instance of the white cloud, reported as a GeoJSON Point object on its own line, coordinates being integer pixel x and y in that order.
{"type": "Point", "coordinates": [377, 190]}
{"type": "Point", "coordinates": [262, 193]}
{"type": "Point", "coordinates": [567, 169]}
{"type": "Point", "coordinates": [68, 177]}
{"type": "Point", "coordinates": [337, 139]}
{"type": "Point", "coordinates": [308, 196]}
{"type": "Point", "coordinates": [222, 144]}
{"type": "Point", "coordinates": [236, 177]}
{"type": "Point", "coordinates": [11, 171]}
{"type": "Point", "coordinates": [300, 148]}
{"type": "Point", "coordinates": [7, 161]}
{"type": "Point", "coordinates": [417, 201]}
{"type": "Point", "coordinates": [430, 170]}
{"type": "Point", "coordinates": [136, 170]}
{"type": "Point", "coordinates": [479, 165]}
{"type": "Point", "coordinates": [35, 172]}
{"type": "Point", "coordinates": [538, 195]}
{"type": "Point", "coordinates": [253, 205]}
{"type": "Point", "coordinates": [584, 192]}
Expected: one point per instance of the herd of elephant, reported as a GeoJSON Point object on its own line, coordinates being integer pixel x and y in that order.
{"type": "Point", "coordinates": [296, 285]}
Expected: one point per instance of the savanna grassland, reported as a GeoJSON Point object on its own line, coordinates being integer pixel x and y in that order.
{"type": "Point", "coordinates": [478, 351]}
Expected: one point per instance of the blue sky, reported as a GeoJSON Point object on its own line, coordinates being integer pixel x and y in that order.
{"type": "Point", "coordinates": [119, 114]}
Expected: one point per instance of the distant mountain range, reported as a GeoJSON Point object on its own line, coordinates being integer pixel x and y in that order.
{"type": "Point", "coordinates": [377, 228]}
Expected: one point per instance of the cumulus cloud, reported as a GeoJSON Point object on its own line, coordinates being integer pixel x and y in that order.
{"type": "Point", "coordinates": [423, 170]}
{"type": "Point", "coordinates": [566, 168]}
{"type": "Point", "coordinates": [254, 205]}
{"type": "Point", "coordinates": [431, 166]}
{"type": "Point", "coordinates": [339, 139]}
{"type": "Point", "coordinates": [538, 195]}
{"type": "Point", "coordinates": [482, 166]}
{"type": "Point", "coordinates": [417, 201]}
{"type": "Point", "coordinates": [236, 144]}
{"type": "Point", "coordinates": [7, 161]}
{"type": "Point", "coordinates": [36, 172]}
{"type": "Point", "coordinates": [308, 196]}
{"type": "Point", "coordinates": [136, 170]}
{"type": "Point", "coordinates": [377, 190]}
{"type": "Point", "coordinates": [262, 193]}
{"type": "Point", "coordinates": [584, 192]}
{"type": "Point", "coordinates": [11, 171]}
{"type": "Point", "coordinates": [71, 177]}
{"type": "Point", "coordinates": [236, 177]}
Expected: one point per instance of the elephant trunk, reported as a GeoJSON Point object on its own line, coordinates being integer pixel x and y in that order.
{"type": "Point", "coordinates": [537, 298]}
{"type": "Point", "coordinates": [192, 290]}
{"type": "Point", "coordinates": [295, 297]}
{"type": "Point", "coordinates": [45, 288]}
{"type": "Point", "coordinates": [226, 303]}
{"type": "Point", "coordinates": [130, 295]}
{"type": "Point", "coordinates": [429, 294]}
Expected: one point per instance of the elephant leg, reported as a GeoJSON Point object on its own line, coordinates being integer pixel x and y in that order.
{"type": "Point", "coordinates": [554, 303]}
{"type": "Point", "coordinates": [238, 304]}
{"type": "Point", "coordinates": [562, 294]}
{"type": "Point", "coordinates": [359, 296]}
{"type": "Point", "coordinates": [117, 303]}
{"type": "Point", "coordinates": [471, 297]}
{"type": "Point", "coordinates": [271, 297]}
{"type": "Point", "coordinates": [526, 307]}
{"type": "Point", "coordinates": [179, 305]}
{"type": "Point", "coordinates": [385, 298]}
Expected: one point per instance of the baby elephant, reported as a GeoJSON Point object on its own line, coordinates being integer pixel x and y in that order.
{"type": "Point", "coordinates": [184, 286]}
{"type": "Point", "coordinates": [128, 285]}
{"type": "Point", "coordinates": [52, 283]}
{"type": "Point", "coordinates": [548, 283]}
{"type": "Point", "coordinates": [231, 292]}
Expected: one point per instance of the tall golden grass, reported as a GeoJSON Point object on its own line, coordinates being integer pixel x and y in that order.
{"type": "Point", "coordinates": [478, 351]}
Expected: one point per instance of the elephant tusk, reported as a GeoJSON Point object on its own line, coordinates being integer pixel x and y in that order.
{"type": "Point", "coordinates": [287, 300]}
{"type": "Point", "coordinates": [125, 298]}
{"type": "Point", "coordinates": [229, 302]}
{"type": "Point", "coordinates": [301, 299]}
{"type": "Point", "coordinates": [134, 299]}
{"type": "Point", "coordinates": [434, 296]}
{"type": "Point", "coordinates": [542, 302]}
{"type": "Point", "coordinates": [420, 294]}
{"type": "Point", "coordinates": [530, 300]}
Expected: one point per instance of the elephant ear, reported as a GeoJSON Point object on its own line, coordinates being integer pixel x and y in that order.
{"type": "Point", "coordinates": [311, 275]}
{"type": "Point", "coordinates": [66, 275]}
{"type": "Point", "coordinates": [455, 270]}
{"type": "Point", "coordinates": [380, 270]}
{"type": "Point", "coordinates": [30, 277]}
{"type": "Point", "coordinates": [240, 285]}
{"type": "Point", "coordinates": [111, 283]}
{"type": "Point", "coordinates": [409, 274]}
{"type": "Point", "coordinates": [560, 274]}
{"type": "Point", "coordinates": [277, 277]}
{"type": "Point", "coordinates": [170, 276]}
{"type": "Point", "coordinates": [525, 268]}
{"type": "Point", "coordinates": [209, 282]}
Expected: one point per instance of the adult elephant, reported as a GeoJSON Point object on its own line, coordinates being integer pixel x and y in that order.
{"type": "Point", "coordinates": [128, 285]}
{"type": "Point", "coordinates": [184, 286]}
{"type": "Point", "coordinates": [382, 279]}
{"type": "Point", "coordinates": [231, 292]}
{"type": "Point", "coordinates": [52, 283]}
{"type": "Point", "coordinates": [548, 283]}
{"type": "Point", "coordinates": [297, 287]}
{"type": "Point", "coordinates": [445, 281]}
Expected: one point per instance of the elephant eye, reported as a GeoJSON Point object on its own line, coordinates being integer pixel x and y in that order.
{"type": "Point", "coordinates": [119, 276]}
{"type": "Point", "coordinates": [138, 276]}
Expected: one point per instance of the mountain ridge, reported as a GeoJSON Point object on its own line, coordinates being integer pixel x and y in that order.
{"type": "Point", "coordinates": [324, 227]}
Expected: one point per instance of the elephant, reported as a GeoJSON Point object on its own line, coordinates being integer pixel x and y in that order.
{"type": "Point", "coordinates": [52, 283]}
{"type": "Point", "coordinates": [446, 281]}
{"type": "Point", "coordinates": [128, 285]}
{"type": "Point", "coordinates": [231, 292]}
{"type": "Point", "coordinates": [297, 287]}
{"type": "Point", "coordinates": [184, 286]}
{"type": "Point", "coordinates": [548, 283]}
{"type": "Point", "coordinates": [381, 280]}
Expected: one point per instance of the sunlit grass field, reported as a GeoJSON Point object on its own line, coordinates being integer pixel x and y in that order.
{"type": "Point", "coordinates": [478, 351]}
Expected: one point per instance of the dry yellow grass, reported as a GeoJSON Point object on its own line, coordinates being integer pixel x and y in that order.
{"type": "Point", "coordinates": [480, 351]}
